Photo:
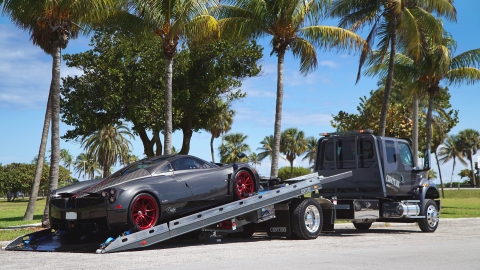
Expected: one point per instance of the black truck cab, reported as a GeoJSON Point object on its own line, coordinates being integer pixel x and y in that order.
{"type": "Point", "coordinates": [383, 174]}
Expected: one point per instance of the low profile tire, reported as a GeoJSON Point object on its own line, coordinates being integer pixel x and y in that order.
{"type": "Point", "coordinates": [307, 219]}
{"type": "Point", "coordinates": [362, 226]}
{"type": "Point", "coordinates": [143, 212]}
{"type": "Point", "coordinates": [248, 231]}
{"type": "Point", "coordinates": [430, 222]}
{"type": "Point", "coordinates": [244, 185]}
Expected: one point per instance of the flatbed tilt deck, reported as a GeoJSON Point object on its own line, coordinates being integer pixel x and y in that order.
{"type": "Point", "coordinates": [282, 209]}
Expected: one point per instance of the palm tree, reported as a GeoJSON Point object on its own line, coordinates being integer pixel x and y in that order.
{"type": "Point", "coordinates": [233, 145]}
{"type": "Point", "coordinates": [404, 21]}
{"type": "Point", "coordinates": [32, 200]}
{"type": "Point", "coordinates": [66, 158]}
{"type": "Point", "coordinates": [131, 159]}
{"type": "Point", "coordinates": [431, 174]}
{"type": "Point", "coordinates": [470, 143]}
{"type": "Point", "coordinates": [254, 160]}
{"type": "Point", "coordinates": [108, 145]}
{"type": "Point", "coordinates": [51, 25]}
{"type": "Point", "coordinates": [293, 144]}
{"type": "Point", "coordinates": [220, 123]}
{"type": "Point", "coordinates": [173, 20]}
{"type": "Point", "coordinates": [87, 166]}
{"type": "Point", "coordinates": [451, 150]}
{"type": "Point", "coordinates": [311, 151]}
{"type": "Point", "coordinates": [267, 148]}
{"type": "Point", "coordinates": [439, 65]}
{"type": "Point", "coordinates": [80, 165]}
{"type": "Point", "coordinates": [292, 24]}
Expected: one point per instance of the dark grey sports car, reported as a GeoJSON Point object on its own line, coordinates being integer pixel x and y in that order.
{"type": "Point", "coordinates": [149, 192]}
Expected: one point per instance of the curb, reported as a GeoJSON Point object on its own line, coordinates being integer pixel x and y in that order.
{"type": "Point", "coordinates": [24, 226]}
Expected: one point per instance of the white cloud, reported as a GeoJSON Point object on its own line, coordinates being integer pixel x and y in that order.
{"type": "Point", "coordinates": [25, 71]}
{"type": "Point", "coordinates": [328, 63]}
{"type": "Point", "coordinates": [299, 119]}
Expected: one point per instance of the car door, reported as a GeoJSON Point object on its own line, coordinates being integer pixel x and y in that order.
{"type": "Point", "coordinates": [208, 183]}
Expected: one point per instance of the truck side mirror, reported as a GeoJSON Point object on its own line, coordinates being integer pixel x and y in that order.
{"type": "Point", "coordinates": [426, 160]}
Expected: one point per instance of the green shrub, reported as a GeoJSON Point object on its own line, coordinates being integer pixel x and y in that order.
{"type": "Point", "coordinates": [284, 172]}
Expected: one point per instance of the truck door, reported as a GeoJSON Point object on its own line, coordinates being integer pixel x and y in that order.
{"type": "Point", "coordinates": [393, 178]}
{"type": "Point", "coordinates": [406, 167]}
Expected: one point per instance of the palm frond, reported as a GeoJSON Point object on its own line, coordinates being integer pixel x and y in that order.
{"type": "Point", "coordinates": [467, 75]}
{"type": "Point", "coordinates": [306, 52]}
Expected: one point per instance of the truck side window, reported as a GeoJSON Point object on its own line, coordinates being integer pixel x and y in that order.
{"type": "Point", "coordinates": [365, 149]}
{"type": "Point", "coordinates": [405, 154]}
{"type": "Point", "coordinates": [390, 147]}
{"type": "Point", "coordinates": [347, 150]}
{"type": "Point", "coordinates": [329, 152]}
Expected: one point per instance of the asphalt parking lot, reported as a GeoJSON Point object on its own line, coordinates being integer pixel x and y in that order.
{"type": "Point", "coordinates": [456, 244]}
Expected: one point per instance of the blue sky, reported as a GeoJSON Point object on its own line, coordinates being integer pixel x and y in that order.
{"type": "Point", "coordinates": [309, 102]}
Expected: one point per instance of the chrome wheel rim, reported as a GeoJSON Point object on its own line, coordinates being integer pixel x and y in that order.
{"type": "Point", "coordinates": [312, 219]}
{"type": "Point", "coordinates": [432, 216]}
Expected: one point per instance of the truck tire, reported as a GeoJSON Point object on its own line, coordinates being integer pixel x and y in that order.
{"type": "Point", "coordinates": [248, 231]}
{"type": "Point", "coordinates": [430, 222]}
{"type": "Point", "coordinates": [307, 219]}
{"type": "Point", "coordinates": [362, 226]}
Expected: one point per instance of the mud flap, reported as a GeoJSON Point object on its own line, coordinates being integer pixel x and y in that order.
{"type": "Point", "coordinates": [280, 225]}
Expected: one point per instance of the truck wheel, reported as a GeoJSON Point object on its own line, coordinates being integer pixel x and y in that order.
{"type": "Point", "coordinates": [362, 226]}
{"type": "Point", "coordinates": [430, 222]}
{"type": "Point", "coordinates": [248, 231]}
{"type": "Point", "coordinates": [307, 219]}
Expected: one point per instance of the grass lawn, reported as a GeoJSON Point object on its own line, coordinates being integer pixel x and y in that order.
{"type": "Point", "coordinates": [461, 204]}
{"type": "Point", "coordinates": [11, 214]}
{"type": "Point", "coordinates": [456, 204]}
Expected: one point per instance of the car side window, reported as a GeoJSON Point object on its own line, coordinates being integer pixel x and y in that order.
{"type": "Point", "coordinates": [166, 168]}
{"type": "Point", "coordinates": [189, 163]}
{"type": "Point", "coordinates": [405, 154]}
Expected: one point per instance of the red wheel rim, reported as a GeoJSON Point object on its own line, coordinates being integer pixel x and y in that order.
{"type": "Point", "coordinates": [144, 212]}
{"type": "Point", "coordinates": [245, 185]}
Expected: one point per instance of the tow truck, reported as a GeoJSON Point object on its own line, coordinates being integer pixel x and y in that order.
{"type": "Point", "coordinates": [281, 207]}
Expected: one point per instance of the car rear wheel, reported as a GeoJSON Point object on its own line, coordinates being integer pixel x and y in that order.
{"type": "Point", "coordinates": [143, 212]}
{"type": "Point", "coordinates": [244, 185]}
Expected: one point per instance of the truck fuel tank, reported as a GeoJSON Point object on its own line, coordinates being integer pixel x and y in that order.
{"type": "Point", "coordinates": [403, 209]}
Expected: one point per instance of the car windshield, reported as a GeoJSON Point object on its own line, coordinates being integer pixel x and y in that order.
{"type": "Point", "coordinates": [139, 165]}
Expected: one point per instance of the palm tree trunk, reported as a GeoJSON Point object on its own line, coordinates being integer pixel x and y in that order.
{"type": "Point", "coordinates": [440, 174]}
{"type": "Point", "coordinates": [211, 148]}
{"type": "Point", "coordinates": [278, 115]}
{"type": "Point", "coordinates": [429, 120]}
{"type": "Point", "coordinates": [168, 108]}
{"type": "Point", "coordinates": [453, 168]}
{"type": "Point", "coordinates": [388, 84]}
{"type": "Point", "coordinates": [55, 138]}
{"type": "Point", "coordinates": [40, 161]}
{"type": "Point", "coordinates": [473, 171]}
{"type": "Point", "coordinates": [415, 129]}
